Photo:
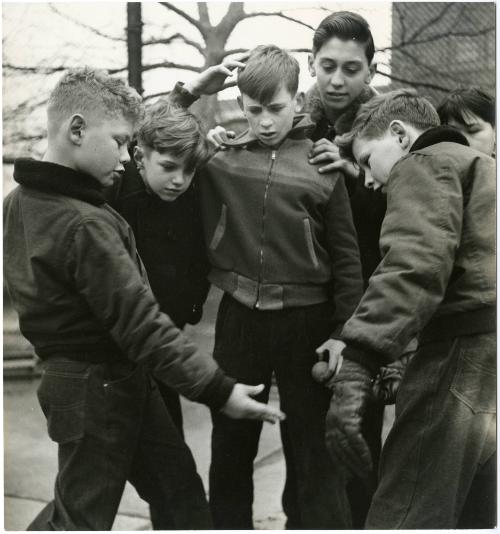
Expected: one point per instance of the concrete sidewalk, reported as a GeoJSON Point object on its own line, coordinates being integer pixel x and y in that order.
{"type": "Point", "coordinates": [30, 457]}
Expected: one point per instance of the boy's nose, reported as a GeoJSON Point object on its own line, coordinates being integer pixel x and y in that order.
{"type": "Point", "coordinates": [266, 122]}
{"type": "Point", "coordinates": [337, 78]}
{"type": "Point", "coordinates": [369, 181]}
{"type": "Point", "coordinates": [124, 155]}
{"type": "Point", "coordinates": [178, 179]}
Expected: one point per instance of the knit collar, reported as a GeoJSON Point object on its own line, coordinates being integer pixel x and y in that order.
{"type": "Point", "coordinates": [53, 178]}
{"type": "Point", "coordinates": [343, 124]}
{"type": "Point", "coordinates": [301, 126]}
{"type": "Point", "coordinates": [438, 134]}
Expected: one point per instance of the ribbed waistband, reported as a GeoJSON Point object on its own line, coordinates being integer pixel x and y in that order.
{"type": "Point", "coordinates": [267, 296]}
{"type": "Point", "coordinates": [480, 321]}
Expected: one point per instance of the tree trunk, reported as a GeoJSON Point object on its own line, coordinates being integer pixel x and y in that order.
{"type": "Point", "coordinates": [134, 45]}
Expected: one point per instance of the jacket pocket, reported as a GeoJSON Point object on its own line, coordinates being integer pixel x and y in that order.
{"type": "Point", "coordinates": [310, 242]}
{"type": "Point", "coordinates": [220, 229]}
{"type": "Point", "coordinates": [62, 395]}
{"type": "Point", "coordinates": [474, 382]}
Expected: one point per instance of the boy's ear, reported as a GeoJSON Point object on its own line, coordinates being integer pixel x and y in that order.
{"type": "Point", "coordinates": [399, 129]}
{"type": "Point", "coordinates": [372, 70]}
{"type": "Point", "coordinates": [77, 127]}
{"type": "Point", "coordinates": [300, 99]}
{"type": "Point", "coordinates": [139, 157]}
{"type": "Point", "coordinates": [310, 61]}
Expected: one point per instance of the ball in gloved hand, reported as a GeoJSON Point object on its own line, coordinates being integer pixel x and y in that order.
{"type": "Point", "coordinates": [320, 372]}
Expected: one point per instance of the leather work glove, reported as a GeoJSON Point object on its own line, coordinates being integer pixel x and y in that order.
{"type": "Point", "coordinates": [388, 380]}
{"type": "Point", "coordinates": [351, 392]}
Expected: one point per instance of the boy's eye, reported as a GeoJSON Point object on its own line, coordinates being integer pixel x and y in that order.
{"type": "Point", "coordinates": [254, 111]}
{"type": "Point", "coordinates": [276, 109]}
{"type": "Point", "coordinates": [350, 69]}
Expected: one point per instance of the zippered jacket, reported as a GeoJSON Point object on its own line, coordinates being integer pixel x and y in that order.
{"type": "Point", "coordinates": [279, 234]}
{"type": "Point", "coordinates": [438, 247]}
{"type": "Point", "coordinates": [79, 286]}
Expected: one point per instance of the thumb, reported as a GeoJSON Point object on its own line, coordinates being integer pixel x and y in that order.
{"type": "Point", "coordinates": [252, 391]}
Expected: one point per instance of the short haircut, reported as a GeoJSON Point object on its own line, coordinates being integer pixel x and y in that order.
{"type": "Point", "coordinates": [346, 26]}
{"type": "Point", "coordinates": [373, 118]}
{"type": "Point", "coordinates": [267, 68]}
{"type": "Point", "coordinates": [92, 92]}
{"type": "Point", "coordinates": [465, 100]}
{"type": "Point", "coordinates": [169, 128]}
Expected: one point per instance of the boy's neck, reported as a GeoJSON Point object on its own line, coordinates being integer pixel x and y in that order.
{"type": "Point", "coordinates": [58, 157]}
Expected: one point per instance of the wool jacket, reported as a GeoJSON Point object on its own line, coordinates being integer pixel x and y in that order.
{"type": "Point", "coordinates": [80, 289]}
{"type": "Point", "coordinates": [368, 206]}
{"type": "Point", "coordinates": [170, 243]}
{"type": "Point", "coordinates": [279, 234]}
{"type": "Point", "coordinates": [438, 246]}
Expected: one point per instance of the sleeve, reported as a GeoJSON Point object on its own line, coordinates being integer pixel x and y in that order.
{"type": "Point", "coordinates": [181, 97]}
{"type": "Point", "coordinates": [420, 235]}
{"type": "Point", "coordinates": [344, 255]}
{"type": "Point", "coordinates": [111, 283]}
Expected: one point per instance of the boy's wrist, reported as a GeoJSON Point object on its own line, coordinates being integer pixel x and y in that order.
{"type": "Point", "coordinates": [182, 95]}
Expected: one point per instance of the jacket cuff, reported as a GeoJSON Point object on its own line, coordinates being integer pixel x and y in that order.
{"type": "Point", "coordinates": [369, 359]}
{"type": "Point", "coordinates": [336, 331]}
{"type": "Point", "coordinates": [217, 392]}
{"type": "Point", "coordinates": [182, 97]}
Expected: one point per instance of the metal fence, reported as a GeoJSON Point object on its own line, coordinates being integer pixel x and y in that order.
{"type": "Point", "coordinates": [439, 46]}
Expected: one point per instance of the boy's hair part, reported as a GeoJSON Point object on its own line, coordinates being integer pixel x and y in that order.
{"type": "Point", "coordinates": [467, 99]}
{"type": "Point", "coordinates": [169, 128]}
{"type": "Point", "coordinates": [266, 70]}
{"type": "Point", "coordinates": [92, 92]}
{"type": "Point", "coordinates": [375, 116]}
{"type": "Point", "coordinates": [346, 26]}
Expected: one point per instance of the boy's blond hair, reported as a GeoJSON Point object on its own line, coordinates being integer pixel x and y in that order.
{"type": "Point", "coordinates": [95, 93]}
{"type": "Point", "coordinates": [373, 118]}
{"type": "Point", "coordinates": [166, 127]}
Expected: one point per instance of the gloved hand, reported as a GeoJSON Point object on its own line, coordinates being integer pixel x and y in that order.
{"type": "Point", "coordinates": [352, 391]}
{"type": "Point", "coordinates": [388, 380]}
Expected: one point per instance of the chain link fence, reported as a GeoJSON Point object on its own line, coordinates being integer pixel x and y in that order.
{"type": "Point", "coordinates": [439, 46]}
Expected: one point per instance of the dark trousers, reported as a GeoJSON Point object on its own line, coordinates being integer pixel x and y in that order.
{"type": "Point", "coordinates": [250, 345]}
{"type": "Point", "coordinates": [438, 464]}
{"type": "Point", "coordinates": [111, 426]}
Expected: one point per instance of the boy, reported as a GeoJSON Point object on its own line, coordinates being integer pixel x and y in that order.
{"type": "Point", "coordinates": [283, 249]}
{"type": "Point", "coordinates": [436, 279]}
{"type": "Point", "coordinates": [158, 199]}
{"type": "Point", "coordinates": [84, 303]}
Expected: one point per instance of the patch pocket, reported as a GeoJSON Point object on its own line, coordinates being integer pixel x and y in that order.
{"type": "Point", "coordinates": [220, 229]}
{"type": "Point", "coordinates": [62, 397]}
{"type": "Point", "coordinates": [475, 386]}
{"type": "Point", "coordinates": [309, 242]}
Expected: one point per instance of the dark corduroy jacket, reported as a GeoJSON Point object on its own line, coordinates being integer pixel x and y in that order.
{"type": "Point", "coordinates": [80, 289]}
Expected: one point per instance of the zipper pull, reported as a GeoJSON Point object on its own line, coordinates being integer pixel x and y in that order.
{"type": "Point", "coordinates": [273, 155]}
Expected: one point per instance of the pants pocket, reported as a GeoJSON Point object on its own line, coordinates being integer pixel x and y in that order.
{"type": "Point", "coordinates": [62, 395]}
{"type": "Point", "coordinates": [474, 382]}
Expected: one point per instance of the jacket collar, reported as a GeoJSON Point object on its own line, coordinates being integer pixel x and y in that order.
{"type": "Point", "coordinates": [53, 178]}
{"type": "Point", "coordinates": [344, 122]}
{"type": "Point", "coordinates": [439, 134]}
{"type": "Point", "coordinates": [302, 124]}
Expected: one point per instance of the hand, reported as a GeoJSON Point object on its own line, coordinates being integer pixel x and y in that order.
{"type": "Point", "coordinates": [351, 393]}
{"type": "Point", "coordinates": [387, 382]}
{"type": "Point", "coordinates": [240, 405]}
{"type": "Point", "coordinates": [219, 135]}
{"type": "Point", "coordinates": [323, 371]}
{"type": "Point", "coordinates": [328, 152]}
{"type": "Point", "coordinates": [212, 80]}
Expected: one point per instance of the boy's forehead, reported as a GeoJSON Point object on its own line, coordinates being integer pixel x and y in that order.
{"type": "Point", "coordinates": [281, 95]}
{"type": "Point", "coordinates": [343, 51]}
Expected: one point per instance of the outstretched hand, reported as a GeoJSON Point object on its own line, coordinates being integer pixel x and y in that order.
{"type": "Point", "coordinates": [240, 405]}
{"type": "Point", "coordinates": [219, 135]}
{"type": "Point", "coordinates": [213, 79]}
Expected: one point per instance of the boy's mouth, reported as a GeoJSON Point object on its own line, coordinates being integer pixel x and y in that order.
{"type": "Point", "coordinates": [268, 135]}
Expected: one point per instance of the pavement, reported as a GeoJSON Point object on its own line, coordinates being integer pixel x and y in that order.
{"type": "Point", "coordinates": [30, 457]}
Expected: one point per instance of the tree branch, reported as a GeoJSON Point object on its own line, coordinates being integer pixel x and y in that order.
{"type": "Point", "coordinates": [243, 50]}
{"type": "Point", "coordinates": [196, 23]}
{"type": "Point", "coordinates": [278, 14]}
{"type": "Point", "coordinates": [413, 83]}
{"type": "Point", "coordinates": [170, 65]}
{"type": "Point", "coordinates": [428, 24]}
{"type": "Point", "coordinates": [203, 13]}
{"type": "Point", "coordinates": [169, 40]}
{"type": "Point", "coordinates": [86, 26]}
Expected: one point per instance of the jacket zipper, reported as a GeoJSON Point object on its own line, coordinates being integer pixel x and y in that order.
{"type": "Point", "coordinates": [261, 252]}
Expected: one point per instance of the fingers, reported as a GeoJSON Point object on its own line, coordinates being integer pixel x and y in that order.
{"type": "Point", "coordinates": [253, 391]}
{"type": "Point", "coordinates": [323, 145]}
{"type": "Point", "coordinates": [263, 412]}
{"type": "Point", "coordinates": [234, 63]}
{"type": "Point", "coordinates": [219, 135]}
{"type": "Point", "coordinates": [336, 165]}
{"type": "Point", "coordinates": [324, 157]}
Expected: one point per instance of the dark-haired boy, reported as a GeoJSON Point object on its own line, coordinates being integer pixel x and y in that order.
{"type": "Point", "coordinates": [283, 249]}
{"type": "Point", "coordinates": [437, 280]}
{"type": "Point", "coordinates": [84, 302]}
